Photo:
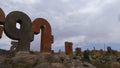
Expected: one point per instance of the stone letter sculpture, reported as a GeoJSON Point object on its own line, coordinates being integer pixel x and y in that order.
{"type": "Point", "coordinates": [46, 37]}
{"type": "Point", "coordinates": [24, 34]}
{"type": "Point", "coordinates": [78, 52]}
{"type": "Point", "coordinates": [2, 21]}
{"type": "Point", "coordinates": [68, 48]}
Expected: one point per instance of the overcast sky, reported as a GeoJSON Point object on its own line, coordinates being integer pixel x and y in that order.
{"type": "Point", "coordinates": [77, 21]}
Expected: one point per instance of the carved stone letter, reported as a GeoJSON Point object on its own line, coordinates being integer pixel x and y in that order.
{"type": "Point", "coordinates": [2, 21]}
{"type": "Point", "coordinates": [68, 48]}
{"type": "Point", "coordinates": [46, 37]}
{"type": "Point", "coordinates": [24, 34]}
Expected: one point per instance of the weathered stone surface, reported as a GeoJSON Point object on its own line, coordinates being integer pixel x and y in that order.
{"type": "Point", "coordinates": [7, 63]}
{"type": "Point", "coordinates": [68, 48]}
{"type": "Point", "coordinates": [115, 65]}
{"type": "Point", "coordinates": [24, 34]}
{"type": "Point", "coordinates": [76, 63]}
{"type": "Point", "coordinates": [67, 63]}
{"type": "Point", "coordinates": [58, 59]}
{"type": "Point", "coordinates": [25, 58]}
{"type": "Point", "coordinates": [2, 59]}
{"type": "Point", "coordinates": [57, 65]}
{"type": "Point", "coordinates": [87, 65]}
{"type": "Point", "coordinates": [22, 53]}
{"type": "Point", "coordinates": [46, 35]}
{"type": "Point", "coordinates": [4, 53]}
{"type": "Point", "coordinates": [43, 65]}
{"type": "Point", "coordinates": [42, 58]}
{"type": "Point", "coordinates": [45, 57]}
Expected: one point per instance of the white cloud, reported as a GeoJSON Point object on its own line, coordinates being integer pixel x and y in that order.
{"type": "Point", "coordinates": [75, 39]}
{"type": "Point", "coordinates": [28, 2]}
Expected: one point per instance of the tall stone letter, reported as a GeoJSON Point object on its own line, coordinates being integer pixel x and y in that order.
{"type": "Point", "coordinates": [68, 48]}
{"type": "Point", "coordinates": [46, 37]}
{"type": "Point", "coordinates": [24, 34]}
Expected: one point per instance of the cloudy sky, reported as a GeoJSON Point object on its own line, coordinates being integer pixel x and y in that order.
{"type": "Point", "coordinates": [83, 22]}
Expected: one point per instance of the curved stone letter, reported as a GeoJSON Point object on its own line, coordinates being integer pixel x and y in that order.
{"type": "Point", "coordinates": [46, 37]}
{"type": "Point", "coordinates": [2, 21]}
{"type": "Point", "coordinates": [24, 34]}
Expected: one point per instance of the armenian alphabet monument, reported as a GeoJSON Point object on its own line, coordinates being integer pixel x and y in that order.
{"type": "Point", "coordinates": [20, 56]}
{"type": "Point", "coordinates": [28, 29]}
{"type": "Point", "coordinates": [25, 35]}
